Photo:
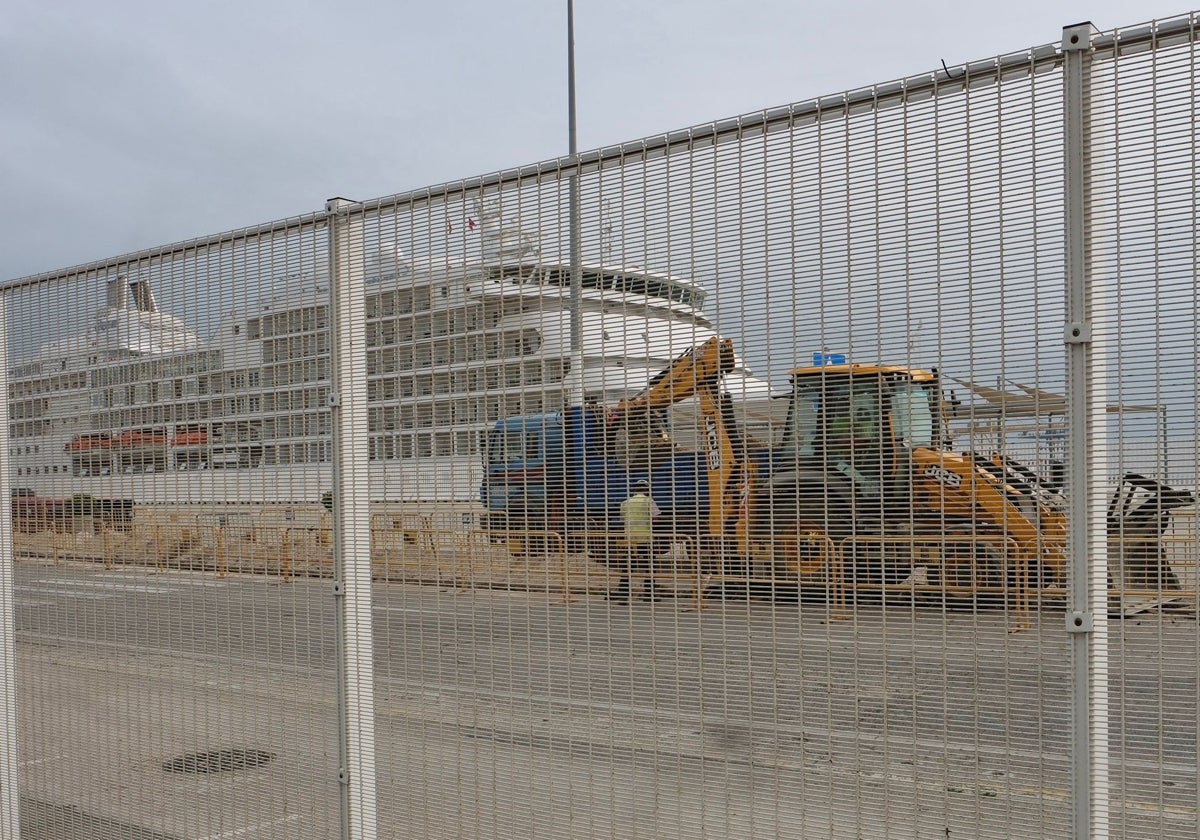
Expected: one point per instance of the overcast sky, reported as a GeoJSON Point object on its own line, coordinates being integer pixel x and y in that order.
{"type": "Point", "coordinates": [133, 124]}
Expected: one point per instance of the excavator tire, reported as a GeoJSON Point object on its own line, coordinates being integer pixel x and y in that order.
{"type": "Point", "coordinates": [805, 523]}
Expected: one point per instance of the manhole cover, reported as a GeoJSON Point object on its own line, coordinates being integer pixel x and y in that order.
{"type": "Point", "coordinates": [217, 761]}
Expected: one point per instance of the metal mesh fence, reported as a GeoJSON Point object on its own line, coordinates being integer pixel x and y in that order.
{"type": "Point", "coordinates": [755, 522]}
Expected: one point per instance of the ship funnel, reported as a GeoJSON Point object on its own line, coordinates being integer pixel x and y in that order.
{"type": "Point", "coordinates": [143, 296]}
{"type": "Point", "coordinates": [117, 293]}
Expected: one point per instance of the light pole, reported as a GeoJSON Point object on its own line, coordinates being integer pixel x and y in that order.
{"type": "Point", "coordinates": [575, 394]}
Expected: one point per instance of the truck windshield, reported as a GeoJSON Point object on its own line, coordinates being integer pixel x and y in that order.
{"type": "Point", "coordinates": [513, 447]}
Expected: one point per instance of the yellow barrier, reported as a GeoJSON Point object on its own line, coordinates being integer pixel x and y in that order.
{"type": "Point", "coordinates": [406, 547]}
{"type": "Point", "coordinates": [962, 567]}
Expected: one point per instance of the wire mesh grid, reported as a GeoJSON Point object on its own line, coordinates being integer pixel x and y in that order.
{"type": "Point", "coordinates": [827, 337]}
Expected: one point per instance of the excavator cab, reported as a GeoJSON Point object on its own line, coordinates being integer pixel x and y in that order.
{"type": "Point", "coordinates": [846, 462]}
{"type": "Point", "coordinates": [862, 422]}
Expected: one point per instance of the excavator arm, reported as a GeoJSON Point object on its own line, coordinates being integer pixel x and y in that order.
{"type": "Point", "coordinates": [698, 373]}
{"type": "Point", "coordinates": [700, 368]}
{"type": "Point", "coordinates": [995, 495]}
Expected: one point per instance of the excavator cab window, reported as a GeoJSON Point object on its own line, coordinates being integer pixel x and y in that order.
{"type": "Point", "coordinates": [861, 426]}
{"type": "Point", "coordinates": [802, 434]}
{"type": "Point", "coordinates": [832, 415]}
{"type": "Point", "coordinates": [912, 415]}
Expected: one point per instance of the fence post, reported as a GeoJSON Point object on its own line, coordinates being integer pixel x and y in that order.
{"type": "Point", "coordinates": [160, 562]}
{"type": "Point", "coordinates": [221, 561]}
{"type": "Point", "coordinates": [351, 523]}
{"type": "Point", "coordinates": [10, 823]}
{"type": "Point", "coordinates": [106, 547]}
{"type": "Point", "coordinates": [1087, 584]}
{"type": "Point", "coordinates": [566, 570]}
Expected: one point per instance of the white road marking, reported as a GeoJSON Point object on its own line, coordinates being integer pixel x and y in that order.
{"type": "Point", "coordinates": [250, 829]}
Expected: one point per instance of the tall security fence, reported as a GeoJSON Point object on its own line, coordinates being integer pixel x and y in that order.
{"type": "Point", "coordinates": [828, 471]}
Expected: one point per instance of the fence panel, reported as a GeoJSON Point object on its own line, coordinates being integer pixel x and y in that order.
{"type": "Point", "coordinates": [852, 668]}
{"type": "Point", "coordinates": [338, 525]}
{"type": "Point", "coordinates": [1144, 252]}
{"type": "Point", "coordinates": [168, 683]}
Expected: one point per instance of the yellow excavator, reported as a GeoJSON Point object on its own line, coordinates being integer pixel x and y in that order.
{"type": "Point", "coordinates": [864, 491]}
{"type": "Point", "coordinates": [862, 486]}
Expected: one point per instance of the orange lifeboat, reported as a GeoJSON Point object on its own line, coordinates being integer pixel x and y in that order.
{"type": "Point", "coordinates": [190, 437]}
{"type": "Point", "coordinates": [89, 442]}
{"type": "Point", "coordinates": [140, 437]}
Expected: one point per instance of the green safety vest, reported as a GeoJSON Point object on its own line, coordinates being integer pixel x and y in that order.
{"type": "Point", "coordinates": [638, 514]}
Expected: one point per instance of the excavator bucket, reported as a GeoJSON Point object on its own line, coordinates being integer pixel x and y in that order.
{"type": "Point", "coordinates": [1138, 515]}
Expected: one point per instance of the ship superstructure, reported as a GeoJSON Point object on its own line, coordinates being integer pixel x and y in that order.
{"type": "Point", "coordinates": [141, 407]}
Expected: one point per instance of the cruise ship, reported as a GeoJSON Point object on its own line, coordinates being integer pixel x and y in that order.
{"type": "Point", "coordinates": [141, 407]}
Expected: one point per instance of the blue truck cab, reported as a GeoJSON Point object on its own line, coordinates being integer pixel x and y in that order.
{"type": "Point", "coordinates": [524, 472]}
{"type": "Point", "coordinates": [561, 472]}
